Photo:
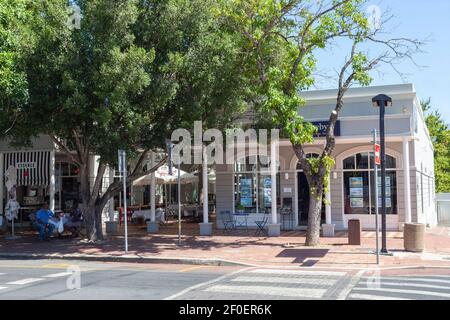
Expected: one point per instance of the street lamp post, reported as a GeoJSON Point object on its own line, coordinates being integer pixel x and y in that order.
{"type": "Point", "coordinates": [382, 101]}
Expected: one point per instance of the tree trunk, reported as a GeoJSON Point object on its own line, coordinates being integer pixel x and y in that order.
{"type": "Point", "coordinates": [315, 212]}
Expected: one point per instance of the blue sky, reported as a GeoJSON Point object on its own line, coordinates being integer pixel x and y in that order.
{"type": "Point", "coordinates": [420, 19]}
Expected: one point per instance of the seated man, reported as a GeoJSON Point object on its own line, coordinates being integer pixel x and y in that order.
{"type": "Point", "coordinates": [74, 222]}
{"type": "Point", "coordinates": [42, 222]}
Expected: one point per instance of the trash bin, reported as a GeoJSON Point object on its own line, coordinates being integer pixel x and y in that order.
{"type": "Point", "coordinates": [414, 237]}
{"type": "Point", "coordinates": [354, 232]}
{"type": "Point", "coordinates": [111, 227]}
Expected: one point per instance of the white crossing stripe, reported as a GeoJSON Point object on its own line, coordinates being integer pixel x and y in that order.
{"type": "Point", "coordinates": [2, 288]}
{"type": "Point", "coordinates": [373, 297]}
{"type": "Point", "coordinates": [299, 273]}
{"type": "Point", "coordinates": [416, 292]}
{"type": "Point", "coordinates": [25, 281]}
{"type": "Point", "coordinates": [323, 282]}
{"type": "Point", "coordinates": [2, 274]}
{"type": "Point", "coordinates": [58, 275]}
{"type": "Point", "coordinates": [268, 290]}
{"type": "Point", "coordinates": [410, 279]}
{"type": "Point", "coordinates": [411, 284]}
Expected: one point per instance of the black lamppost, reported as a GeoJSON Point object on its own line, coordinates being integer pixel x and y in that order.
{"type": "Point", "coordinates": [382, 101]}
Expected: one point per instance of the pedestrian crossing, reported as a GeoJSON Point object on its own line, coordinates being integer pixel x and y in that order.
{"type": "Point", "coordinates": [402, 288]}
{"type": "Point", "coordinates": [10, 281]}
{"type": "Point", "coordinates": [268, 284]}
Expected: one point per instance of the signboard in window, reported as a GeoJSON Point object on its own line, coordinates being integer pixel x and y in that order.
{"type": "Point", "coordinates": [357, 202]}
{"type": "Point", "coordinates": [267, 192]}
{"type": "Point", "coordinates": [246, 194]}
{"type": "Point", "coordinates": [388, 192]}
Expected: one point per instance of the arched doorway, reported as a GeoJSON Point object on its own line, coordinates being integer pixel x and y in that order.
{"type": "Point", "coordinates": [303, 196]}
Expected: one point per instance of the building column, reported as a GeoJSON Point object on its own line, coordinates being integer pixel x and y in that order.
{"type": "Point", "coordinates": [152, 225]}
{"type": "Point", "coordinates": [274, 227]}
{"type": "Point", "coordinates": [407, 182]}
{"type": "Point", "coordinates": [153, 191]}
{"type": "Point", "coordinates": [205, 226]}
{"type": "Point", "coordinates": [328, 227]}
{"type": "Point", "coordinates": [2, 184]}
{"type": "Point", "coordinates": [52, 181]}
{"type": "Point", "coordinates": [111, 201]}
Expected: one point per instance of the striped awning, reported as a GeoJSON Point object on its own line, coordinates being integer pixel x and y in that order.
{"type": "Point", "coordinates": [33, 167]}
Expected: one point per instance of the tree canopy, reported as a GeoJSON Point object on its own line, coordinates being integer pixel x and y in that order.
{"type": "Point", "coordinates": [440, 135]}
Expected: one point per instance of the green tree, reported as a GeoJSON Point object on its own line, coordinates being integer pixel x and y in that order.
{"type": "Point", "coordinates": [134, 71]}
{"type": "Point", "coordinates": [16, 41]}
{"type": "Point", "coordinates": [440, 135]}
{"type": "Point", "coordinates": [283, 38]}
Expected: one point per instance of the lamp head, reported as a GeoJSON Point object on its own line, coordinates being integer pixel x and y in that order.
{"type": "Point", "coordinates": [382, 99]}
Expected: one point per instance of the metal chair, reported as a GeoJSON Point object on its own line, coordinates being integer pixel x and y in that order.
{"type": "Point", "coordinates": [228, 221]}
{"type": "Point", "coordinates": [262, 224]}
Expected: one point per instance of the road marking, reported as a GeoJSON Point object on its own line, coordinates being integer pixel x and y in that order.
{"type": "Point", "coordinates": [373, 297]}
{"type": "Point", "coordinates": [2, 274]}
{"type": "Point", "coordinates": [417, 292]}
{"type": "Point", "coordinates": [410, 284]}
{"type": "Point", "coordinates": [182, 292]}
{"type": "Point", "coordinates": [55, 266]}
{"type": "Point", "coordinates": [25, 281]}
{"type": "Point", "coordinates": [2, 288]}
{"type": "Point", "coordinates": [351, 284]}
{"type": "Point", "coordinates": [269, 290]}
{"type": "Point", "coordinates": [411, 279]}
{"type": "Point", "coordinates": [299, 273]}
{"type": "Point", "coordinates": [323, 282]}
{"type": "Point", "coordinates": [191, 268]}
{"type": "Point", "coordinates": [58, 275]}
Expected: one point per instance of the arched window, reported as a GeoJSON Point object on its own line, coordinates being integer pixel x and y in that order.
{"type": "Point", "coordinates": [359, 184]}
{"type": "Point", "coordinates": [253, 184]}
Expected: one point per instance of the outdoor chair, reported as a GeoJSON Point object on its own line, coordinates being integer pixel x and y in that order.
{"type": "Point", "coordinates": [262, 224]}
{"type": "Point", "coordinates": [228, 221]}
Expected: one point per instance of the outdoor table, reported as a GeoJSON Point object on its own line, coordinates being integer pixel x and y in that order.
{"type": "Point", "coordinates": [241, 220]}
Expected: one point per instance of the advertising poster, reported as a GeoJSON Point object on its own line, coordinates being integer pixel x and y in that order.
{"type": "Point", "coordinates": [357, 202]}
{"type": "Point", "coordinates": [267, 192]}
{"type": "Point", "coordinates": [246, 194]}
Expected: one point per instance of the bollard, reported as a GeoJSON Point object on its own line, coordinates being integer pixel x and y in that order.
{"type": "Point", "coordinates": [354, 232]}
{"type": "Point", "coordinates": [414, 237]}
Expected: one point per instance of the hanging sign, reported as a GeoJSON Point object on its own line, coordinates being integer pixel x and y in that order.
{"type": "Point", "coordinates": [377, 154]}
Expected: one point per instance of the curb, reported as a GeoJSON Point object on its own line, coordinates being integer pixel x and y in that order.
{"type": "Point", "coordinates": [125, 258]}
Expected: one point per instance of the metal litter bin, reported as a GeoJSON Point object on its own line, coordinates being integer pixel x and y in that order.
{"type": "Point", "coordinates": [354, 232]}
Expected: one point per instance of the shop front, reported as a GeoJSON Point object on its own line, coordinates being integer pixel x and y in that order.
{"type": "Point", "coordinates": [409, 161]}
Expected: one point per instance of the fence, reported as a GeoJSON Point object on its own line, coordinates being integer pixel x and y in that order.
{"type": "Point", "coordinates": [443, 208]}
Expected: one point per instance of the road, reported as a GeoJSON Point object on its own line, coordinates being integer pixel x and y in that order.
{"type": "Point", "coordinates": [53, 280]}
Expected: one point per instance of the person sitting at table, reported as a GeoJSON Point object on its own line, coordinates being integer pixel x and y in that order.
{"type": "Point", "coordinates": [42, 222]}
{"type": "Point", "coordinates": [74, 221]}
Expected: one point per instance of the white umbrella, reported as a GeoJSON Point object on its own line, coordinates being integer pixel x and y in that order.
{"type": "Point", "coordinates": [162, 176]}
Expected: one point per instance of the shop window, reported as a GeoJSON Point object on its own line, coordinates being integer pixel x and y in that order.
{"type": "Point", "coordinates": [253, 185]}
{"type": "Point", "coordinates": [359, 185]}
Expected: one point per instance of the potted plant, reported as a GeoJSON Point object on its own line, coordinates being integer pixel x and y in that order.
{"type": "Point", "coordinates": [240, 209]}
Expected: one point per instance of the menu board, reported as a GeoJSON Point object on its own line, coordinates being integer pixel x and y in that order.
{"type": "Point", "coordinates": [246, 193]}
{"type": "Point", "coordinates": [267, 191]}
{"type": "Point", "coordinates": [356, 192]}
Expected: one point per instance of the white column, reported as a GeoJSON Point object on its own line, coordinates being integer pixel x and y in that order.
{"type": "Point", "coordinates": [328, 201]}
{"type": "Point", "coordinates": [2, 185]}
{"type": "Point", "coordinates": [273, 173]}
{"type": "Point", "coordinates": [205, 186]}
{"type": "Point", "coordinates": [153, 191]}
{"type": "Point", "coordinates": [111, 201]}
{"type": "Point", "coordinates": [52, 181]}
{"type": "Point", "coordinates": [407, 183]}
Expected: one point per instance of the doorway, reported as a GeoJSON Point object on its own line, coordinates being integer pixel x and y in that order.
{"type": "Point", "coordinates": [303, 201]}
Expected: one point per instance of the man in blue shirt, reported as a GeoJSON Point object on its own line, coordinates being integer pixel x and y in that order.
{"type": "Point", "coordinates": [42, 222]}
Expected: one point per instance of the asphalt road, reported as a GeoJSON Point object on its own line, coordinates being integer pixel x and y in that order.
{"type": "Point", "coordinates": [73, 280]}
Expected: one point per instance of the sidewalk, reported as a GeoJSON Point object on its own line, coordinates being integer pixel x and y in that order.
{"type": "Point", "coordinates": [241, 248]}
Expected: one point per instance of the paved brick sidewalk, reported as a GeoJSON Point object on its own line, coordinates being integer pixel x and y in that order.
{"type": "Point", "coordinates": [287, 250]}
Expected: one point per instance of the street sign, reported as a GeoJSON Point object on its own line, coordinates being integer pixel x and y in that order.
{"type": "Point", "coordinates": [377, 154]}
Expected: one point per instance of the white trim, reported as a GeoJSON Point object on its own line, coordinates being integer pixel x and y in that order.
{"type": "Point", "coordinates": [366, 149]}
